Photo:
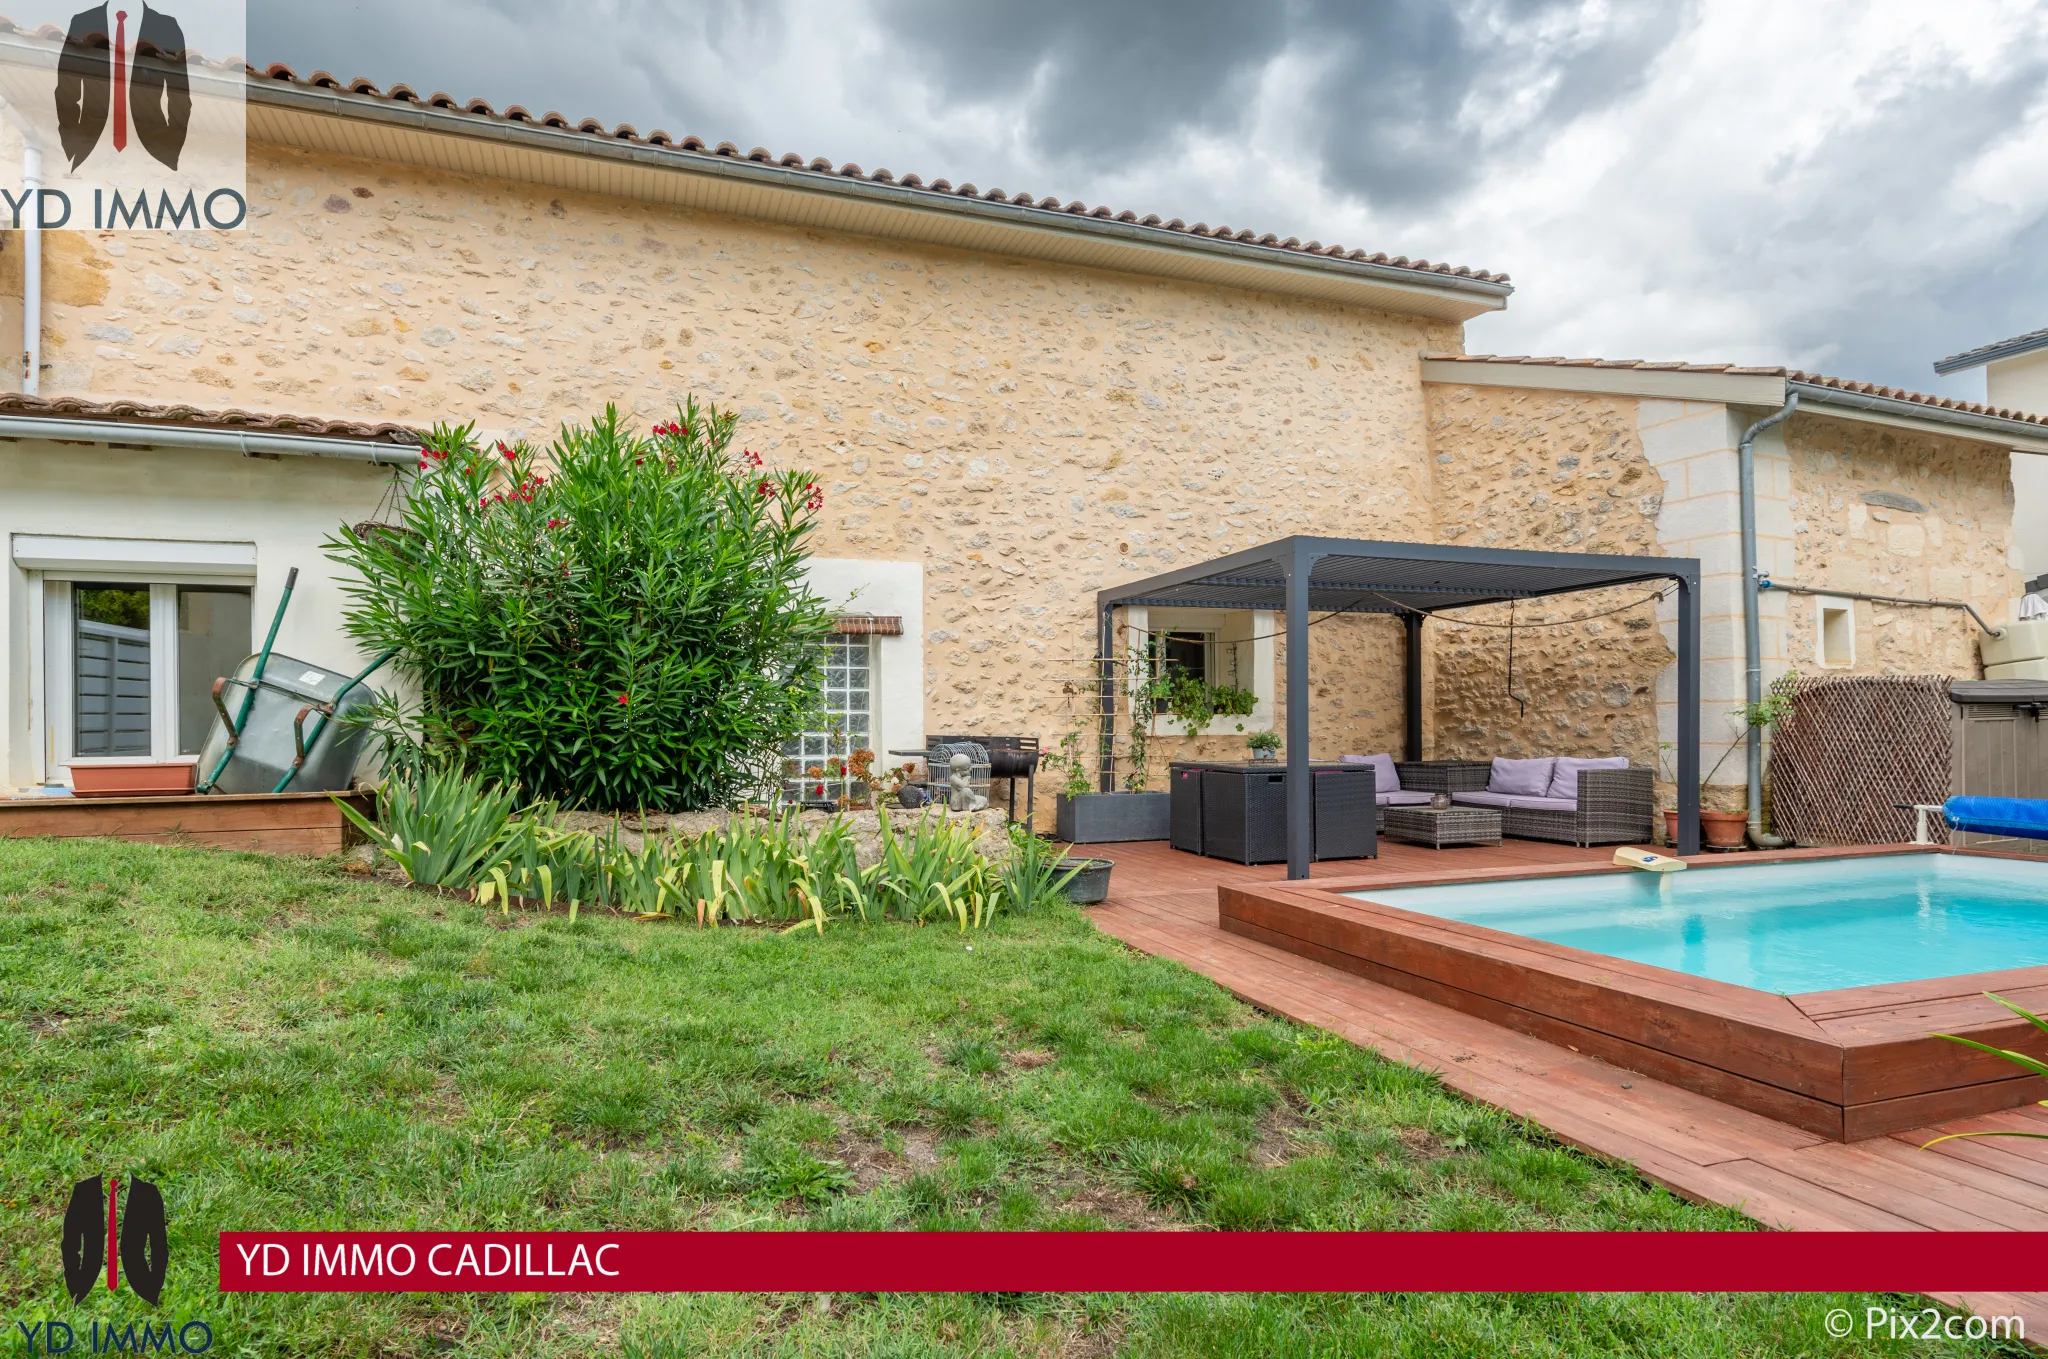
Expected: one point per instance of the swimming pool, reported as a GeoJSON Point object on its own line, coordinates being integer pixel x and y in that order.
{"type": "Point", "coordinates": [1785, 927]}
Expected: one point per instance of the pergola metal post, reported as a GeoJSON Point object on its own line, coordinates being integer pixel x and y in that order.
{"type": "Point", "coordinates": [1411, 687]}
{"type": "Point", "coordinates": [1300, 796]}
{"type": "Point", "coordinates": [1105, 667]}
{"type": "Point", "coordinates": [1688, 713]}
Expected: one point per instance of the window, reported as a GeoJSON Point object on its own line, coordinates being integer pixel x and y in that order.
{"type": "Point", "coordinates": [110, 671]}
{"type": "Point", "coordinates": [814, 764]}
{"type": "Point", "coordinates": [130, 665]}
{"type": "Point", "coordinates": [1835, 633]}
{"type": "Point", "coordinates": [213, 638]}
{"type": "Point", "coordinates": [1187, 653]}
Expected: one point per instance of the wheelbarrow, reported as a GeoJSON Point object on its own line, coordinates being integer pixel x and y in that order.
{"type": "Point", "coordinates": [284, 722]}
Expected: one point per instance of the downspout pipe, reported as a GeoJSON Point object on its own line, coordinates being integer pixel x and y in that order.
{"type": "Point", "coordinates": [1752, 623]}
{"type": "Point", "coordinates": [31, 249]}
{"type": "Point", "coordinates": [32, 271]}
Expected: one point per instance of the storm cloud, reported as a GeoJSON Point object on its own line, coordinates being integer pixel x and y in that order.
{"type": "Point", "coordinates": [1854, 187]}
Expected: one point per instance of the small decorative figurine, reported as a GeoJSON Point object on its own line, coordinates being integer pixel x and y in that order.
{"type": "Point", "coordinates": [960, 794]}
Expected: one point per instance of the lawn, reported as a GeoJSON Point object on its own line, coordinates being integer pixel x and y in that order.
{"type": "Point", "coordinates": [279, 1045]}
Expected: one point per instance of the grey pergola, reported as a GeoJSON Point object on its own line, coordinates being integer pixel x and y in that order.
{"type": "Point", "coordinates": [1298, 576]}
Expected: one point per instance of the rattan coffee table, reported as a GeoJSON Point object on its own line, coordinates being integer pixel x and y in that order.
{"type": "Point", "coordinates": [1442, 829]}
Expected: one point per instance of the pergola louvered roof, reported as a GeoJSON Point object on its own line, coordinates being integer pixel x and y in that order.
{"type": "Point", "coordinates": [1356, 575]}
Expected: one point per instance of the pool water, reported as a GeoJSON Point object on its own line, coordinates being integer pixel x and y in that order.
{"type": "Point", "coordinates": [1785, 927]}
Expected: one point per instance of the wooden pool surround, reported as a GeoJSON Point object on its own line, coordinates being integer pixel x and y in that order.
{"type": "Point", "coordinates": [1847, 1064]}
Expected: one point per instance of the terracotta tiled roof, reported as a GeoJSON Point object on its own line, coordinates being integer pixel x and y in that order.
{"type": "Point", "coordinates": [820, 166]}
{"type": "Point", "coordinates": [1997, 349]}
{"type": "Point", "coordinates": [1789, 374]}
{"type": "Point", "coordinates": [192, 417]}
{"type": "Point", "coordinates": [1917, 398]}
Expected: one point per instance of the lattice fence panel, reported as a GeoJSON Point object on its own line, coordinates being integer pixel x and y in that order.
{"type": "Point", "coordinates": [1853, 746]}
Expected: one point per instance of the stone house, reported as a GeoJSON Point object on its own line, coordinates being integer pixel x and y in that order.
{"type": "Point", "coordinates": [1011, 402]}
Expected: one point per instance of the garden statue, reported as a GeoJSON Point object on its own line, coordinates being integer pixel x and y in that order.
{"type": "Point", "coordinates": [959, 792]}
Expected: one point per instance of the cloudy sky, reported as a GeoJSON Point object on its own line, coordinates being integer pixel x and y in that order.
{"type": "Point", "coordinates": [1853, 186]}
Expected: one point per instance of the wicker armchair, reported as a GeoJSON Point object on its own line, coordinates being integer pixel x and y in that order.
{"type": "Point", "coordinates": [1616, 806]}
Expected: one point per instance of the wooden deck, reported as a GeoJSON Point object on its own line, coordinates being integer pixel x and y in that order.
{"type": "Point", "coordinates": [1165, 903]}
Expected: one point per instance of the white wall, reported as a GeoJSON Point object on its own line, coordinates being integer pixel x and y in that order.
{"type": "Point", "coordinates": [895, 589]}
{"type": "Point", "coordinates": [1693, 446]}
{"type": "Point", "coordinates": [2022, 384]}
{"type": "Point", "coordinates": [284, 506]}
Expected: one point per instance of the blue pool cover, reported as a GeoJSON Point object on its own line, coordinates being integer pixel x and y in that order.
{"type": "Point", "coordinates": [1785, 927]}
{"type": "Point", "coordinates": [2026, 817]}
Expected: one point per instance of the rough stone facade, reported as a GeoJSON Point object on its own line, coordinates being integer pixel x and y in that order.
{"type": "Point", "coordinates": [1557, 472]}
{"type": "Point", "coordinates": [1897, 512]}
{"type": "Point", "coordinates": [1027, 432]}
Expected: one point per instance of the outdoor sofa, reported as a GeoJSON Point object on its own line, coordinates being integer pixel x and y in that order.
{"type": "Point", "coordinates": [1570, 800]}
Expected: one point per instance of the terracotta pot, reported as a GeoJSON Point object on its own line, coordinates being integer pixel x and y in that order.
{"type": "Point", "coordinates": [1718, 830]}
{"type": "Point", "coordinates": [133, 778]}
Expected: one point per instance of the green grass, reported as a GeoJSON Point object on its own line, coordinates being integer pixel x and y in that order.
{"type": "Point", "coordinates": [281, 1046]}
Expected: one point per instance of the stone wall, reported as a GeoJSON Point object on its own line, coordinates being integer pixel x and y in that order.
{"type": "Point", "coordinates": [1029, 432]}
{"type": "Point", "coordinates": [1549, 471]}
{"type": "Point", "coordinates": [1893, 511]}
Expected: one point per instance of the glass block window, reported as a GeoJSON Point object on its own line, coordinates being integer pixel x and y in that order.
{"type": "Point", "coordinates": [814, 764]}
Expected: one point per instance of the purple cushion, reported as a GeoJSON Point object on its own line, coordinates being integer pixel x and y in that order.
{"type": "Point", "coordinates": [1564, 781]}
{"type": "Point", "coordinates": [1384, 779]}
{"type": "Point", "coordinates": [1403, 797]}
{"type": "Point", "coordinates": [1544, 804]}
{"type": "Point", "coordinates": [1521, 778]}
{"type": "Point", "coordinates": [1506, 801]}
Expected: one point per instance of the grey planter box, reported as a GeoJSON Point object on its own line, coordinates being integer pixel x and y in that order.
{"type": "Point", "coordinates": [1107, 818]}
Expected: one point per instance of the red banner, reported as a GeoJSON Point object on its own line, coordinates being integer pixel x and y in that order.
{"type": "Point", "coordinates": [1129, 1262]}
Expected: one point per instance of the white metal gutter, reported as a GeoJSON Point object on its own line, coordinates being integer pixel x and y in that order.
{"type": "Point", "coordinates": [249, 443]}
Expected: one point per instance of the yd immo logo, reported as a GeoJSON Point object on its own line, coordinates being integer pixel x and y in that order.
{"type": "Point", "coordinates": [138, 73]}
{"type": "Point", "coordinates": [97, 1233]}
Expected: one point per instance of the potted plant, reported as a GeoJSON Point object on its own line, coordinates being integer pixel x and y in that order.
{"type": "Point", "coordinates": [1727, 830]}
{"type": "Point", "coordinates": [1194, 703]}
{"type": "Point", "coordinates": [1264, 745]}
{"type": "Point", "coordinates": [1084, 814]}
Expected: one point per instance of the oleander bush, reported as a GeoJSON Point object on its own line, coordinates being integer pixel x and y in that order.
{"type": "Point", "coordinates": [617, 622]}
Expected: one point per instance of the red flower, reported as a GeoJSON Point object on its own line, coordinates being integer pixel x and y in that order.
{"type": "Point", "coordinates": [814, 499]}
{"type": "Point", "coordinates": [622, 700]}
{"type": "Point", "coordinates": [555, 523]}
{"type": "Point", "coordinates": [509, 454]}
{"type": "Point", "coordinates": [750, 457]}
{"type": "Point", "coordinates": [766, 487]}
{"type": "Point", "coordinates": [638, 461]}
{"type": "Point", "coordinates": [423, 464]}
